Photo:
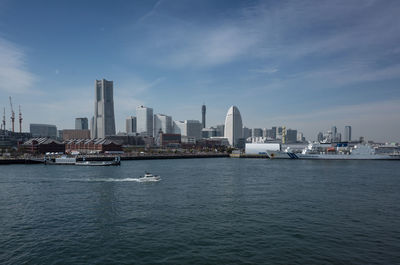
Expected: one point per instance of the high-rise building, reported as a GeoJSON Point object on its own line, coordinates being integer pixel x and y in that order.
{"type": "Point", "coordinates": [208, 132]}
{"type": "Point", "coordinates": [131, 124]}
{"type": "Point", "coordinates": [162, 123]}
{"type": "Point", "coordinates": [104, 120]}
{"type": "Point", "coordinates": [188, 128]}
{"type": "Point", "coordinates": [234, 126]}
{"type": "Point", "coordinates": [92, 127]}
{"type": "Point", "coordinates": [257, 132]}
{"type": "Point", "coordinates": [220, 130]}
{"type": "Point", "coordinates": [144, 121]}
{"type": "Point", "coordinates": [347, 134]}
{"type": "Point", "coordinates": [43, 130]}
{"type": "Point", "coordinates": [246, 132]}
{"type": "Point", "coordinates": [291, 136]}
{"type": "Point", "coordinates": [334, 132]}
{"type": "Point", "coordinates": [320, 137]}
{"type": "Point", "coordinates": [203, 116]}
{"type": "Point", "coordinates": [81, 124]}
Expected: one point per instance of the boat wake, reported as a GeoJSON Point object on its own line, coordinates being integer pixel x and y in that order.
{"type": "Point", "coordinates": [141, 180]}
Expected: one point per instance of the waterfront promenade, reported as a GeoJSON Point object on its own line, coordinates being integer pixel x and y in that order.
{"type": "Point", "coordinates": [106, 157]}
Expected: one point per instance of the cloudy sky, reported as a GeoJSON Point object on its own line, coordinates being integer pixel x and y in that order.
{"type": "Point", "coordinates": [304, 64]}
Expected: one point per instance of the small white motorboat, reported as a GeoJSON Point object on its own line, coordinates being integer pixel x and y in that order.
{"type": "Point", "coordinates": [149, 177]}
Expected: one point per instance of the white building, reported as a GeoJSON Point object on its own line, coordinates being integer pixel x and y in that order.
{"type": "Point", "coordinates": [162, 122]}
{"type": "Point", "coordinates": [131, 124]}
{"type": "Point", "coordinates": [104, 120]}
{"type": "Point", "coordinates": [144, 121]}
{"type": "Point", "coordinates": [261, 148]}
{"type": "Point", "coordinates": [233, 126]}
{"type": "Point", "coordinates": [189, 128]}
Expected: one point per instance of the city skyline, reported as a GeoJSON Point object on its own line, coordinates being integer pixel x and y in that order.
{"type": "Point", "coordinates": [307, 65]}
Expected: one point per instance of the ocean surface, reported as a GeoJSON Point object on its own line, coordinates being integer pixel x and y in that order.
{"type": "Point", "coordinates": [202, 211]}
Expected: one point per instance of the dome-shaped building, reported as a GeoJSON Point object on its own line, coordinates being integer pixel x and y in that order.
{"type": "Point", "coordinates": [233, 126]}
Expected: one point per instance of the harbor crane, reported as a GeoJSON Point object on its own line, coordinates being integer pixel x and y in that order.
{"type": "Point", "coordinates": [12, 115]}
{"type": "Point", "coordinates": [20, 119]}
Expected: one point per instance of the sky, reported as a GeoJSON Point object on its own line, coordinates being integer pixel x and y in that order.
{"type": "Point", "coordinates": [308, 65]}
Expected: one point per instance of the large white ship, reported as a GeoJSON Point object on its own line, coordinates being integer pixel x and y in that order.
{"type": "Point", "coordinates": [358, 152]}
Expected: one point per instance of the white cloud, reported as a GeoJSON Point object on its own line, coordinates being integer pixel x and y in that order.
{"type": "Point", "coordinates": [14, 76]}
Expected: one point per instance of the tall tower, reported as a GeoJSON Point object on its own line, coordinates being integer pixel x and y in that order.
{"type": "Point", "coordinates": [104, 120]}
{"type": "Point", "coordinates": [203, 116]}
{"type": "Point", "coordinates": [233, 126]}
{"type": "Point", "coordinates": [81, 124]}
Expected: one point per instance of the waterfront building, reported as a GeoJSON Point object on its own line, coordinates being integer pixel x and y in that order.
{"type": "Point", "coordinates": [208, 132]}
{"type": "Point", "coordinates": [144, 121]}
{"type": "Point", "coordinates": [170, 140]}
{"type": "Point", "coordinates": [188, 128]}
{"type": "Point", "coordinates": [42, 145]}
{"type": "Point", "coordinates": [347, 134]}
{"type": "Point", "coordinates": [81, 124]}
{"type": "Point", "coordinates": [75, 134]}
{"type": "Point", "coordinates": [220, 130]}
{"type": "Point", "coordinates": [203, 116]}
{"type": "Point", "coordinates": [104, 120]}
{"type": "Point", "coordinates": [43, 130]}
{"type": "Point", "coordinates": [130, 124]}
{"type": "Point", "coordinates": [271, 133]}
{"type": "Point", "coordinates": [233, 126]}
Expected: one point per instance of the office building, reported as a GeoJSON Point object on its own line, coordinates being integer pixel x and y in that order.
{"type": "Point", "coordinates": [320, 137]}
{"type": "Point", "coordinates": [130, 124]}
{"type": "Point", "coordinates": [81, 124]}
{"type": "Point", "coordinates": [75, 134]}
{"type": "Point", "coordinates": [246, 132]}
{"type": "Point", "coordinates": [188, 128]}
{"type": "Point", "coordinates": [162, 123]}
{"type": "Point", "coordinates": [220, 130]}
{"type": "Point", "coordinates": [144, 121]}
{"type": "Point", "coordinates": [208, 132]}
{"type": "Point", "coordinates": [233, 127]}
{"type": "Point", "coordinates": [43, 130]}
{"type": "Point", "coordinates": [203, 116]}
{"type": "Point", "coordinates": [334, 132]}
{"type": "Point", "coordinates": [104, 120]}
{"type": "Point", "coordinates": [291, 136]}
{"type": "Point", "coordinates": [257, 132]}
{"type": "Point", "coordinates": [347, 134]}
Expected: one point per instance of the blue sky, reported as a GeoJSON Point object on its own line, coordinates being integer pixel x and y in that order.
{"type": "Point", "coordinates": [304, 64]}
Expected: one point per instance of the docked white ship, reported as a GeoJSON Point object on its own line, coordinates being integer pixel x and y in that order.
{"type": "Point", "coordinates": [358, 152]}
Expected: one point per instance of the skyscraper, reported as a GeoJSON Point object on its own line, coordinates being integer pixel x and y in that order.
{"type": "Point", "coordinates": [104, 120]}
{"type": "Point", "coordinates": [81, 124]}
{"type": "Point", "coordinates": [162, 122]}
{"type": "Point", "coordinates": [334, 132]}
{"type": "Point", "coordinates": [233, 126]}
{"type": "Point", "coordinates": [131, 124]}
{"type": "Point", "coordinates": [347, 134]}
{"type": "Point", "coordinates": [144, 121]}
{"type": "Point", "coordinates": [203, 116]}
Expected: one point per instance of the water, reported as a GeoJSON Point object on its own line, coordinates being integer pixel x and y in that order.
{"type": "Point", "coordinates": [203, 211]}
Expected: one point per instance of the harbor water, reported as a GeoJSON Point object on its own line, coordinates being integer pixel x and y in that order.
{"type": "Point", "coordinates": [202, 211]}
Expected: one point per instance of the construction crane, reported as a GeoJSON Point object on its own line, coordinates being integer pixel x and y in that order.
{"type": "Point", "coordinates": [20, 119]}
{"type": "Point", "coordinates": [12, 115]}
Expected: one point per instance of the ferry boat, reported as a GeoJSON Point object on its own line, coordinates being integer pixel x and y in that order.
{"type": "Point", "coordinates": [358, 152]}
{"type": "Point", "coordinates": [64, 160]}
